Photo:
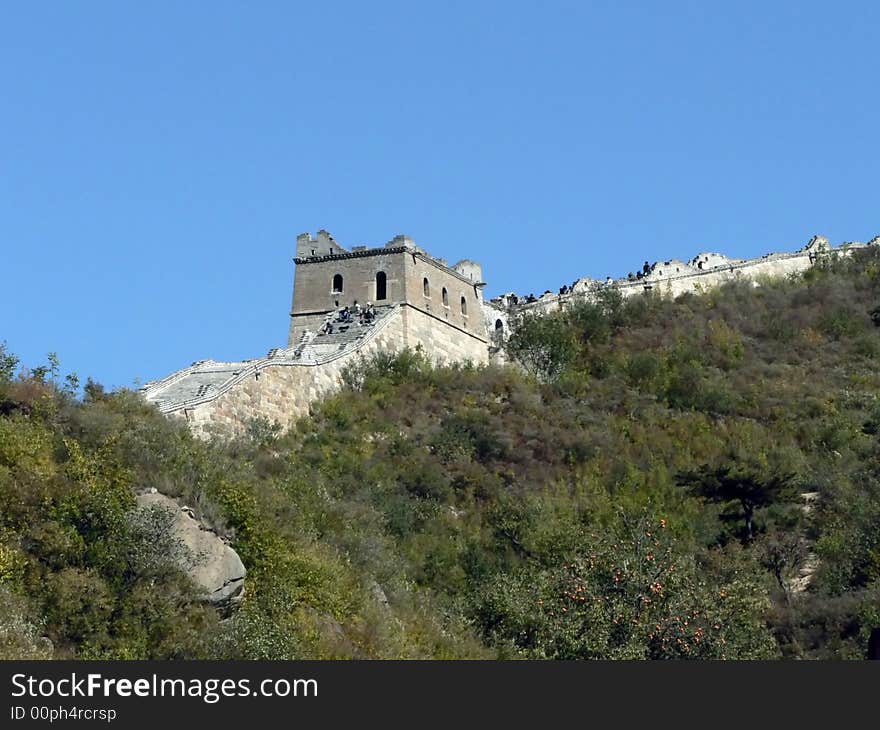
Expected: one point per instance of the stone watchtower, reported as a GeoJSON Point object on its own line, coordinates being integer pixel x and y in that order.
{"type": "Point", "coordinates": [442, 306]}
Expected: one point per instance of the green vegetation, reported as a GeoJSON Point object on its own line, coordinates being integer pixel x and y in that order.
{"type": "Point", "coordinates": [661, 479]}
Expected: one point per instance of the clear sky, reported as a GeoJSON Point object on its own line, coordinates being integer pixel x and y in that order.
{"type": "Point", "coordinates": [157, 160]}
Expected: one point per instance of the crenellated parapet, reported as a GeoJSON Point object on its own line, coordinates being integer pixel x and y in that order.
{"type": "Point", "coordinates": [347, 304]}
{"type": "Point", "coordinates": [329, 277]}
{"type": "Point", "coordinates": [323, 244]}
{"type": "Point", "coordinates": [674, 277]}
{"type": "Point", "coordinates": [350, 303]}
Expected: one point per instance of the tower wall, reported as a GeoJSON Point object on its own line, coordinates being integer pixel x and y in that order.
{"type": "Point", "coordinates": [324, 283]}
{"type": "Point", "coordinates": [455, 328]}
{"type": "Point", "coordinates": [313, 292]}
{"type": "Point", "coordinates": [467, 318]}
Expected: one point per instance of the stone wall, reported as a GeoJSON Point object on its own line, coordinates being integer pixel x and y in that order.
{"type": "Point", "coordinates": [313, 295]}
{"type": "Point", "coordinates": [442, 341]}
{"type": "Point", "coordinates": [456, 328]}
{"type": "Point", "coordinates": [675, 277]}
{"type": "Point", "coordinates": [412, 276]}
{"type": "Point", "coordinates": [284, 391]}
{"type": "Point", "coordinates": [463, 305]}
{"type": "Point", "coordinates": [321, 245]}
{"type": "Point", "coordinates": [674, 283]}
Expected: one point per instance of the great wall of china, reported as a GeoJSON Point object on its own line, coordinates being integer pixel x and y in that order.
{"type": "Point", "coordinates": [414, 300]}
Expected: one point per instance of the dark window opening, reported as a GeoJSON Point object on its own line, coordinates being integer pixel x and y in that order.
{"type": "Point", "coordinates": [499, 325]}
{"type": "Point", "coordinates": [381, 286]}
{"type": "Point", "coordinates": [445, 297]}
{"type": "Point", "coordinates": [464, 306]}
{"type": "Point", "coordinates": [426, 287]}
{"type": "Point", "coordinates": [337, 284]}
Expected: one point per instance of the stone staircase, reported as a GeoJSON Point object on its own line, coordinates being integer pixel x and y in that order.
{"type": "Point", "coordinates": [343, 335]}
{"type": "Point", "coordinates": [206, 380]}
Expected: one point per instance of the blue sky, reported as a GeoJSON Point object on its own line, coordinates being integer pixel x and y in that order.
{"type": "Point", "coordinates": [158, 160]}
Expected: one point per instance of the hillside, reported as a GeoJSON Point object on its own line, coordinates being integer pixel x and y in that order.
{"type": "Point", "coordinates": [659, 479]}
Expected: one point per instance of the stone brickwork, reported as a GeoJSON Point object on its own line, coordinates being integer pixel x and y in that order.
{"type": "Point", "coordinates": [400, 272]}
{"type": "Point", "coordinates": [674, 277]}
{"type": "Point", "coordinates": [444, 343]}
{"type": "Point", "coordinates": [452, 297]}
{"type": "Point", "coordinates": [314, 296]}
{"type": "Point", "coordinates": [420, 302]}
{"type": "Point", "coordinates": [282, 390]}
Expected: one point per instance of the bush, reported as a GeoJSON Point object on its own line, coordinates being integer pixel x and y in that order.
{"type": "Point", "coordinates": [543, 344]}
{"type": "Point", "coordinates": [20, 636]}
{"type": "Point", "coordinates": [479, 512]}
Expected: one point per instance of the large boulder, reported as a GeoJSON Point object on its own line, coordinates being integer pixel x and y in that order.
{"type": "Point", "coordinates": [212, 564]}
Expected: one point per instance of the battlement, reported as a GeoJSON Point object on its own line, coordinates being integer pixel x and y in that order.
{"type": "Point", "coordinates": [322, 245]}
{"type": "Point", "coordinates": [469, 269]}
{"type": "Point", "coordinates": [675, 276]}
{"type": "Point", "coordinates": [351, 303]}
{"type": "Point", "coordinates": [328, 277]}
{"type": "Point", "coordinates": [401, 240]}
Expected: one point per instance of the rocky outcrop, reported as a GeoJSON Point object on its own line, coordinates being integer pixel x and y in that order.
{"type": "Point", "coordinates": [211, 564]}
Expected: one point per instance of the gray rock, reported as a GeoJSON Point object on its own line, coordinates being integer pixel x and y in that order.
{"type": "Point", "coordinates": [216, 567]}
{"type": "Point", "coordinates": [378, 594]}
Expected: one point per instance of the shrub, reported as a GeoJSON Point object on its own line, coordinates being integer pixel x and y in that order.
{"type": "Point", "coordinates": [543, 344]}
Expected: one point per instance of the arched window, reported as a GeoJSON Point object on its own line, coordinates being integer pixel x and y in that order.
{"type": "Point", "coordinates": [499, 325]}
{"type": "Point", "coordinates": [426, 287]}
{"type": "Point", "coordinates": [337, 284]}
{"type": "Point", "coordinates": [445, 297]}
{"type": "Point", "coordinates": [381, 286]}
{"type": "Point", "coordinates": [464, 306]}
